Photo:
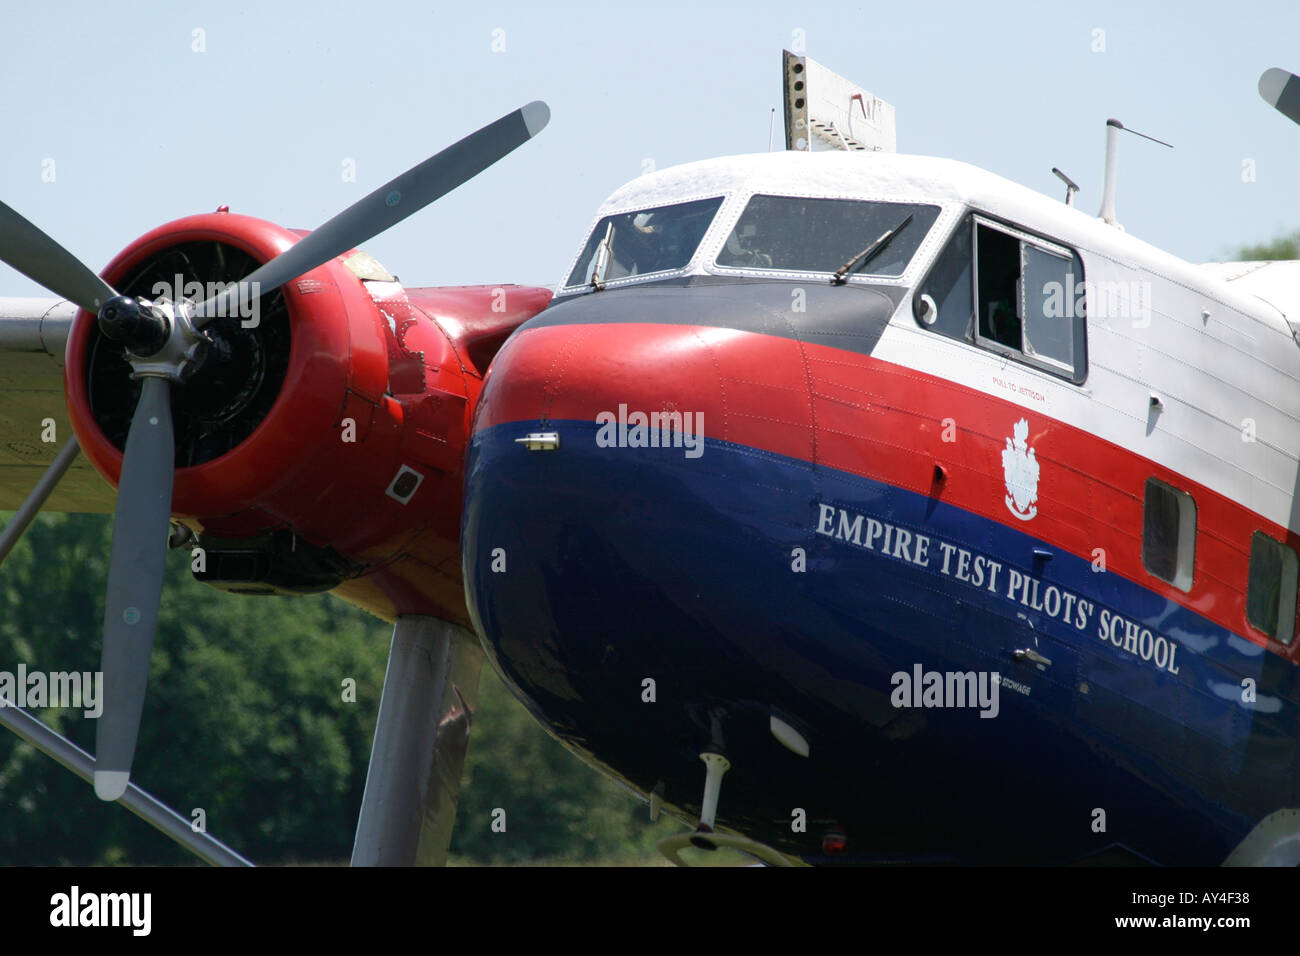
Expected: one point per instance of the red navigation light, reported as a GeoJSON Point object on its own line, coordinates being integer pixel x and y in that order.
{"type": "Point", "coordinates": [834, 842]}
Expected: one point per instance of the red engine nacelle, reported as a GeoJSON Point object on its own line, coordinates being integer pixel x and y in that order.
{"type": "Point", "coordinates": [323, 446]}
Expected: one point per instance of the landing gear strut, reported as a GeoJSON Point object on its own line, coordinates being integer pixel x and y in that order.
{"type": "Point", "coordinates": [704, 836]}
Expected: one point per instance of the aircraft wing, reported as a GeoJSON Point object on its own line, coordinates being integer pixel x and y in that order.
{"type": "Point", "coordinates": [1276, 282]}
{"type": "Point", "coordinates": [33, 333]}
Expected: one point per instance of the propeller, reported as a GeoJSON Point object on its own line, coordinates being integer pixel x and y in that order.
{"type": "Point", "coordinates": [43, 260]}
{"type": "Point", "coordinates": [135, 579]}
{"type": "Point", "coordinates": [161, 339]}
{"type": "Point", "coordinates": [1281, 90]}
{"type": "Point", "coordinates": [386, 206]}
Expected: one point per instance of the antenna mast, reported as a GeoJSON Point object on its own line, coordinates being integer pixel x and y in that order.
{"type": "Point", "coordinates": [1108, 181]}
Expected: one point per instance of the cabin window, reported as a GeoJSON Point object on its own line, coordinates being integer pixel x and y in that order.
{"type": "Point", "coordinates": [1023, 298]}
{"type": "Point", "coordinates": [662, 239]}
{"type": "Point", "coordinates": [793, 234]}
{"type": "Point", "coordinates": [1169, 534]}
{"type": "Point", "coordinates": [1271, 588]}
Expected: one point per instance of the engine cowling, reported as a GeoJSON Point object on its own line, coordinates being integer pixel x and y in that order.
{"type": "Point", "coordinates": [320, 438]}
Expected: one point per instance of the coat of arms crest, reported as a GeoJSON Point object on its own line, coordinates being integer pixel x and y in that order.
{"type": "Point", "coordinates": [1020, 468]}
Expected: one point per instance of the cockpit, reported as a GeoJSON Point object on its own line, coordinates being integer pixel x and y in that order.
{"type": "Point", "coordinates": [751, 235]}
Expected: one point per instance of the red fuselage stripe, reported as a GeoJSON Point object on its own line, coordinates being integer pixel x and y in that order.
{"type": "Point", "coordinates": [886, 422]}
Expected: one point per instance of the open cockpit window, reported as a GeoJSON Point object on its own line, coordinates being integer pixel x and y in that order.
{"type": "Point", "coordinates": [791, 234]}
{"type": "Point", "coordinates": [662, 239]}
{"type": "Point", "coordinates": [1028, 297]}
{"type": "Point", "coordinates": [1010, 292]}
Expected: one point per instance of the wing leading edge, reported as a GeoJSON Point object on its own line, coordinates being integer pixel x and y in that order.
{"type": "Point", "coordinates": [33, 333]}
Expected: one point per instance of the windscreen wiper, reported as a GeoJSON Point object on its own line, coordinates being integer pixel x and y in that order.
{"type": "Point", "coordinates": [866, 255]}
{"type": "Point", "coordinates": [604, 252]}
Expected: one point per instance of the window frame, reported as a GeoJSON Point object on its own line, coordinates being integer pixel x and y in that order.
{"type": "Point", "coordinates": [1184, 553]}
{"type": "Point", "coordinates": [776, 273]}
{"type": "Point", "coordinates": [1288, 592]}
{"type": "Point", "coordinates": [971, 220]}
{"type": "Point", "coordinates": [1035, 356]}
{"type": "Point", "coordinates": [1045, 362]}
{"type": "Point", "coordinates": [723, 197]}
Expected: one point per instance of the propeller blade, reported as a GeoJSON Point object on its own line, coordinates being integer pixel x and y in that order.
{"type": "Point", "coordinates": [135, 580]}
{"type": "Point", "coordinates": [386, 206]}
{"type": "Point", "coordinates": [43, 260]}
{"type": "Point", "coordinates": [1281, 90]}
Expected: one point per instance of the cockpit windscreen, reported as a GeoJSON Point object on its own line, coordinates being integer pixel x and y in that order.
{"type": "Point", "coordinates": [649, 240]}
{"type": "Point", "coordinates": [791, 234]}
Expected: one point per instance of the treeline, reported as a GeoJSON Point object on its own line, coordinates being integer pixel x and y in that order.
{"type": "Point", "coordinates": [246, 720]}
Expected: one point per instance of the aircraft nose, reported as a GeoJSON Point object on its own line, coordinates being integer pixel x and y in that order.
{"type": "Point", "coordinates": [641, 473]}
{"type": "Point", "coordinates": [631, 441]}
{"type": "Point", "coordinates": [639, 389]}
{"type": "Point", "coordinates": [570, 378]}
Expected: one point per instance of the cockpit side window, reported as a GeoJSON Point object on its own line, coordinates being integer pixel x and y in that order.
{"type": "Point", "coordinates": [794, 234]}
{"type": "Point", "coordinates": [1010, 292]}
{"type": "Point", "coordinates": [998, 283]}
{"type": "Point", "coordinates": [943, 300]}
{"type": "Point", "coordinates": [662, 239]}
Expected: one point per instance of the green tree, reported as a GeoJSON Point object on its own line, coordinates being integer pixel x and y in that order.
{"type": "Point", "coordinates": [1283, 247]}
{"type": "Point", "coordinates": [556, 807]}
{"type": "Point", "coordinates": [245, 719]}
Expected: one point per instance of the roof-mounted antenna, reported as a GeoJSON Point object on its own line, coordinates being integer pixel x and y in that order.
{"type": "Point", "coordinates": [1071, 187]}
{"type": "Point", "coordinates": [1113, 126]}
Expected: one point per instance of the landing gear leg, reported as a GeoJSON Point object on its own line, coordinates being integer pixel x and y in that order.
{"type": "Point", "coordinates": [421, 736]}
{"type": "Point", "coordinates": [704, 835]}
{"type": "Point", "coordinates": [715, 766]}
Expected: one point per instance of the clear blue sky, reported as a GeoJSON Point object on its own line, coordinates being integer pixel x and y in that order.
{"type": "Point", "coordinates": [143, 130]}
